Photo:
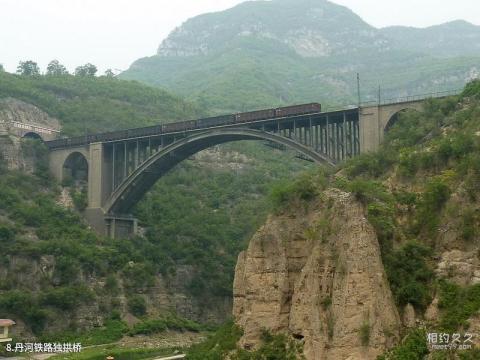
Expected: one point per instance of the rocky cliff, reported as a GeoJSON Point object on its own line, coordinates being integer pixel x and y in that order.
{"type": "Point", "coordinates": [14, 110]}
{"type": "Point", "coordinates": [316, 274]}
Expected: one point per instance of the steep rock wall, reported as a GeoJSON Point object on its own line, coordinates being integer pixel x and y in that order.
{"type": "Point", "coordinates": [316, 273]}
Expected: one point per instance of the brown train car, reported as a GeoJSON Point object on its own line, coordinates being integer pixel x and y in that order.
{"type": "Point", "coordinates": [179, 126]}
{"type": "Point", "coordinates": [298, 109]}
{"type": "Point", "coordinates": [255, 115]}
{"type": "Point", "coordinates": [215, 121]}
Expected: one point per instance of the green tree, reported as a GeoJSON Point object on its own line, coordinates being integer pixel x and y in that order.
{"type": "Point", "coordinates": [2, 68]}
{"type": "Point", "coordinates": [86, 70]}
{"type": "Point", "coordinates": [54, 68]}
{"type": "Point", "coordinates": [28, 68]}
{"type": "Point", "coordinates": [109, 73]}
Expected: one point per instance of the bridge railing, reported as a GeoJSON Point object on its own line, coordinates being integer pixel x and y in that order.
{"type": "Point", "coordinates": [417, 97]}
{"type": "Point", "coordinates": [390, 101]}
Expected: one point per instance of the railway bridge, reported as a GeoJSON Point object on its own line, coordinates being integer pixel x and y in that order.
{"type": "Point", "coordinates": [122, 166]}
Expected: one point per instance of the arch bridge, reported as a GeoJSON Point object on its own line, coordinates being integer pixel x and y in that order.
{"type": "Point", "coordinates": [120, 170]}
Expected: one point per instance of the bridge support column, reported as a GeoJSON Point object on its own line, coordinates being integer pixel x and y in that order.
{"type": "Point", "coordinates": [369, 129]}
{"type": "Point", "coordinates": [96, 184]}
{"type": "Point", "coordinates": [120, 227]}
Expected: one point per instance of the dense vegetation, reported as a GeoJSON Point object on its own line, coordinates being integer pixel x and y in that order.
{"type": "Point", "coordinates": [28, 209]}
{"type": "Point", "coordinates": [93, 104]}
{"type": "Point", "coordinates": [199, 216]}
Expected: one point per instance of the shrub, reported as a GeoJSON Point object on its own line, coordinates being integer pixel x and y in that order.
{"type": "Point", "coordinates": [138, 276]}
{"type": "Point", "coordinates": [366, 191]}
{"type": "Point", "coordinates": [80, 199]}
{"type": "Point", "coordinates": [468, 224]}
{"type": "Point", "coordinates": [137, 305]}
{"type": "Point", "coordinates": [148, 327]}
{"type": "Point", "coordinates": [409, 274]}
{"type": "Point", "coordinates": [414, 346]}
{"type": "Point", "coordinates": [24, 305]}
{"type": "Point", "coordinates": [273, 347]}
{"type": "Point", "coordinates": [472, 89]}
{"type": "Point", "coordinates": [218, 345]}
{"type": "Point", "coordinates": [7, 235]}
{"type": "Point", "coordinates": [171, 322]}
{"type": "Point", "coordinates": [66, 298]}
{"type": "Point", "coordinates": [457, 304]}
{"type": "Point", "coordinates": [305, 188]}
{"type": "Point", "coordinates": [380, 215]}
{"type": "Point", "coordinates": [364, 333]}
{"type": "Point", "coordinates": [66, 269]}
{"type": "Point", "coordinates": [433, 199]}
{"type": "Point", "coordinates": [370, 164]}
{"type": "Point", "coordinates": [111, 285]}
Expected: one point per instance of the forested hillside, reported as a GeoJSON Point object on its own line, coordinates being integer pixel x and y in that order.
{"type": "Point", "coordinates": [94, 104]}
{"type": "Point", "coordinates": [194, 221]}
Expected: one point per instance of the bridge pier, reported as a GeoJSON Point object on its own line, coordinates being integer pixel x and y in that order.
{"type": "Point", "coordinates": [114, 226]}
{"type": "Point", "coordinates": [119, 227]}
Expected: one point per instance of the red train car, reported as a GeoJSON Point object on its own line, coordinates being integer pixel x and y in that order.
{"type": "Point", "coordinates": [179, 126]}
{"type": "Point", "coordinates": [298, 109]}
{"type": "Point", "coordinates": [255, 115]}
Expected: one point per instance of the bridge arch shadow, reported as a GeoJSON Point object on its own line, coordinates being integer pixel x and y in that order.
{"type": "Point", "coordinates": [75, 168]}
{"type": "Point", "coordinates": [134, 187]}
{"type": "Point", "coordinates": [33, 136]}
{"type": "Point", "coordinates": [395, 117]}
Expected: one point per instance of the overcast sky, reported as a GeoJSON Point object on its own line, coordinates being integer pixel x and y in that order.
{"type": "Point", "coordinates": [114, 33]}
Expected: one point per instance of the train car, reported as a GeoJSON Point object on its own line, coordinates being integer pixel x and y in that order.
{"type": "Point", "coordinates": [215, 121]}
{"type": "Point", "coordinates": [255, 115]}
{"type": "Point", "coordinates": [173, 127]}
{"type": "Point", "coordinates": [302, 109]}
{"type": "Point", "coordinates": [190, 124]}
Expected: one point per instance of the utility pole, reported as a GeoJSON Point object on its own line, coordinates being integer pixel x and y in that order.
{"type": "Point", "coordinates": [379, 95]}
{"type": "Point", "coordinates": [358, 89]}
{"type": "Point", "coordinates": [85, 130]}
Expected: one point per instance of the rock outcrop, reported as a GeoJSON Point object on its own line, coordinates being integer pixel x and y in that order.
{"type": "Point", "coordinates": [17, 111]}
{"type": "Point", "coordinates": [317, 275]}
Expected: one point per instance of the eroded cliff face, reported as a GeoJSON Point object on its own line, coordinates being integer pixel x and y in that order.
{"type": "Point", "coordinates": [316, 274]}
{"type": "Point", "coordinates": [14, 110]}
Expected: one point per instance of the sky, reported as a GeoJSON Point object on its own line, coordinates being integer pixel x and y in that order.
{"type": "Point", "coordinates": [114, 33]}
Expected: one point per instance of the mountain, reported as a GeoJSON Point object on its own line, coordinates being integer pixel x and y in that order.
{"type": "Point", "coordinates": [456, 38]}
{"type": "Point", "coordinates": [266, 53]}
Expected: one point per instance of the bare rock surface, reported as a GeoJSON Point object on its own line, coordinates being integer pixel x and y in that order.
{"type": "Point", "coordinates": [17, 110]}
{"type": "Point", "coordinates": [462, 267]}
{"type": "Point", "coordinates": [317, 275]}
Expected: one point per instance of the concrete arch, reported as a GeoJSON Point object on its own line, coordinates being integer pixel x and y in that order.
{"type": "Point", "coordinates": [132, 189]}
{"type": "Point", "coordinates": [390, 114]}
{"type": "Point", "coordinates": [58, 158]}
{"type": "Point", "coordinates": [75, 167]}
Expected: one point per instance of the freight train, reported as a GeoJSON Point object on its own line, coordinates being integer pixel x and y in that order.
{"type": "Point", "coordinates": [188, 125]}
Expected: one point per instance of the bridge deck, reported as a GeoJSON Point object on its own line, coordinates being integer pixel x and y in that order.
{"type": "Point", "coordinates": [157, 130]}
